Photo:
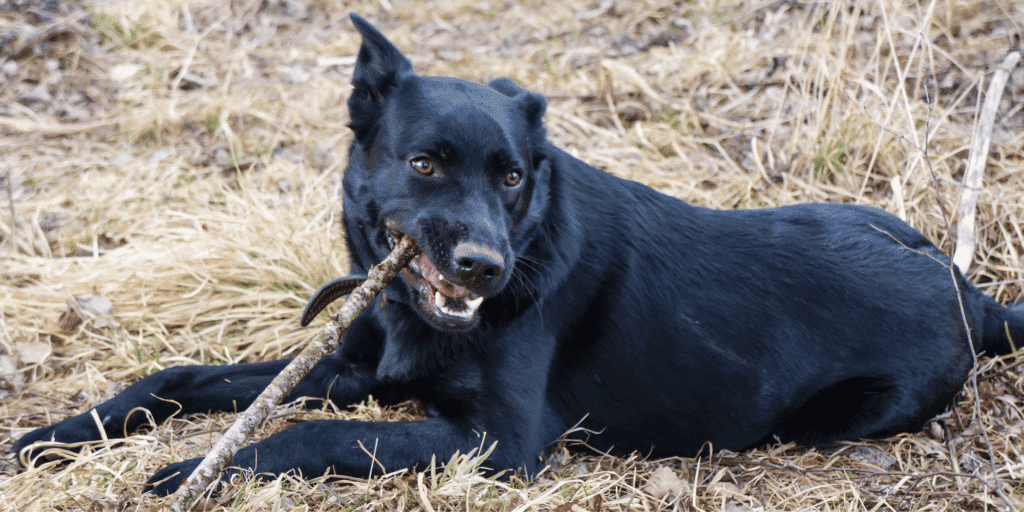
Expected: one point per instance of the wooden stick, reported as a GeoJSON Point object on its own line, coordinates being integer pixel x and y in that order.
{"type": "Point", "coordinates": [326, 342]}
{"type": "Point", "coordinates": [976, 163]}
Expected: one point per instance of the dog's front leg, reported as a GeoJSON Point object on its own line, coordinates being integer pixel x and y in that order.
{"type": "Point", "coordinates": [359, 449]}
{"type": "Point", "coordinates": [499, 396]}
{"type": "Point", "coordinates": [195, 389]}
{"type": "Point", "coordinates": [342, 447]}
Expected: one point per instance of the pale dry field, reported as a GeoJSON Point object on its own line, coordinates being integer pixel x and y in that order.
{"type": "Point", "coordinates": [183, 160]}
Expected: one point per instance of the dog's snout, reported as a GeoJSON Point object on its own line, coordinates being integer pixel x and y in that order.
{"type": "Point", "coordinates": [476, 265]}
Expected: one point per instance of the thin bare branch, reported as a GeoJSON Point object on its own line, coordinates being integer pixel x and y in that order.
{"type": "Point", "coordinates": [965, 236]}
{"type": "Point", "coordinates": [209, 470]}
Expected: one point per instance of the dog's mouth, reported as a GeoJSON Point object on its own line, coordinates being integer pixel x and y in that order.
{"type": "Point", "coordinates": [448, 303]}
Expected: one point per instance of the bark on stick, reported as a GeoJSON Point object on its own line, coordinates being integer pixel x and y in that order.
{"type": "Point", "coordinates": [965, 239]}
{"type": "Point", "coordinates": [326, 342]}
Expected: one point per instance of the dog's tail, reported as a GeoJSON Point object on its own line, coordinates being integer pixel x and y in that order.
{"type": "Point", "coordinates": [1004, 328]}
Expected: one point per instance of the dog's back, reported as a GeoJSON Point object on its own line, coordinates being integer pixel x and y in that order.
{"type": "Point", "coordinates": [813, 323]}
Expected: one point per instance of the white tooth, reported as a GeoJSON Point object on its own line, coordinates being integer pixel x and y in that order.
{"type": "Point", "coordinates": [439, 300]}
{"type": "Point", "coordinates": [472, 304]}
{"type": "Point", "coordinates": [461, 314]}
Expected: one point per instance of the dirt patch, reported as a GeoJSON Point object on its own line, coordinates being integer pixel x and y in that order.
{"type": "Point", "coordinates": [183, 161]}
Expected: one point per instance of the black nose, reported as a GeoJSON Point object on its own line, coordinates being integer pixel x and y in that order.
{"type": "Point", "coordinates": [477, 266]}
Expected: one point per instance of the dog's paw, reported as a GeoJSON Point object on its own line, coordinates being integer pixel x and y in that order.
{"type": "Point", "coordinates": [170, 477]}
{"type": "Point", "coordinates": [76, 429]}
{"type": "Point", "coordinates": [167, 480]}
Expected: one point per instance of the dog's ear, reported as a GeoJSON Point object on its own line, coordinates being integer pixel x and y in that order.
{"type": "Point", "coordinates": [533, 105]}
{"type": "Point", "coordinates": [379, 69]}
{"type": "Point", "coordinates": [506, 86]}
{"type": "Point", "coordinates": [379, 64]}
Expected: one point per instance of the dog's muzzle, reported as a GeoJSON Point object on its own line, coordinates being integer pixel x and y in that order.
{"type": "Point", "coordinates": [449, 303]}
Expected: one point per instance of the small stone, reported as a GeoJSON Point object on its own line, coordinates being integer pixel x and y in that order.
{"type": "Point", "coordinates": [37, 94]}
{"type": "Point", "coordinates": [9, 68]}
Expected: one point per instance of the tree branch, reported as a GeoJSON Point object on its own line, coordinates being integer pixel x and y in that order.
{"type": "Point", "coordinates": [965, 238]}
{"type": "Point", "coordinates": [326, 342]}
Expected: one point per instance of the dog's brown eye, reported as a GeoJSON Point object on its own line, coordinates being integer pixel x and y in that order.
{"type": "Point", "coordinates": [513, 178]}
{"type": "Point", "coordinates": [422, 165]}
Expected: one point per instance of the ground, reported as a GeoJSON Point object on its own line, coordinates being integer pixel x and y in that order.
{"type": "Point", "coordinates": [182, 159]}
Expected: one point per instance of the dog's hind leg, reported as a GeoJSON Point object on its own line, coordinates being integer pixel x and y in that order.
{"type": "Point", "coordinates": [852, 407]}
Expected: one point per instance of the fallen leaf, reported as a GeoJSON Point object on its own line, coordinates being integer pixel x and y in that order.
{"type": "Point", "coordinates": [10, 380]}
{"type": "Point", "coordinates": [738, 506]}
{"type": "Point", "coordinates": [566, 507]}
{"type": "Point", "coordinates": [873, 457]}
{"type": "Point", "coordinates": [724, 488]}
{"type": "Point", "coordinates": [96, 309]}
{"type": "Point", "coordinates": [32, 352]}
{"type": "Point", "coordinates": [665, 481]}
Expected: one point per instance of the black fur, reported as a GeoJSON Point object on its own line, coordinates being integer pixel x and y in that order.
{"type": "Point", "coordinates": [660, 325]}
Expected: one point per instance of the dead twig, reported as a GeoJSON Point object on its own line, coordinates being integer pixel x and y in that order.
{"type": "Point", "coordinates": [976, 163]}
{"type": "Point", "coordinates": [327, 341]}
{"type": "Point", "coordinates": [14, 214]}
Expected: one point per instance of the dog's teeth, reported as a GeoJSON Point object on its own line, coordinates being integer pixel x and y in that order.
{"type": "Point", "coordinates": [472, 304]}
{"type": "Point", "coordinates": [465, 313]}
{"type": "Point", "coordinates": [439, 300]}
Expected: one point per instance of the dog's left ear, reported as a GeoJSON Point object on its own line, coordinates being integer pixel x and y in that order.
{"type": "Point", "coordinates": [380, 67]}
{"type": "Point", "coordinates": [532, 104]}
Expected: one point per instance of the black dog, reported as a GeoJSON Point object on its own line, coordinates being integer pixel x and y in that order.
{"type": "Point", "coordinates": [550, 292]}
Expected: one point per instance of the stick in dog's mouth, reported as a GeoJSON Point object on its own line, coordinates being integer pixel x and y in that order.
{"type": "Point", "coordinates": [448, 302]}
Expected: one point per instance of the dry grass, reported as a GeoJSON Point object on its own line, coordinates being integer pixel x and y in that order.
{"type": "Point", "coordinates": [183, 159]}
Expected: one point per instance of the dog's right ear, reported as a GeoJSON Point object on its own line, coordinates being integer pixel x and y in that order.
{"type": "Point", "coordinates": [379, 69]}
{"type": "Point", "coordinates": [533, 105]}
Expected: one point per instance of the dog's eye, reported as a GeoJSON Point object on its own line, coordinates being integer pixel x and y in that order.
{"type": "Point", "coordinates": [513, 178]}
{"type": "Point", "coordinates": [422, 165]}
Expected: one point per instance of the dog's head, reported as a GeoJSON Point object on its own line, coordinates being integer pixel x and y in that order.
{"type": "Point", "coordinates": [454, 165]}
